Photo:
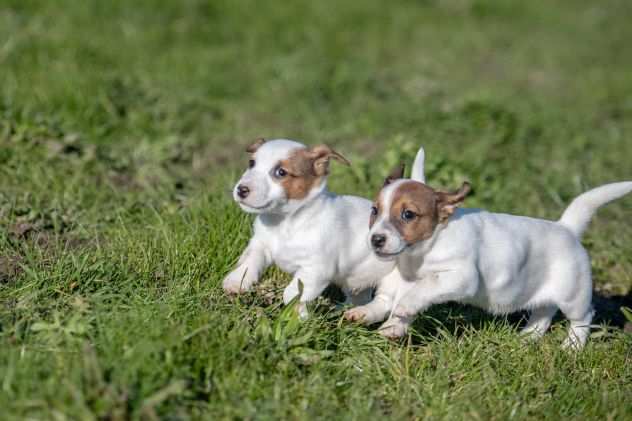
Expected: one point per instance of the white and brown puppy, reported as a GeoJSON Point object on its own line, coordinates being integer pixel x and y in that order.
{"type": "Point", "coordinates": [307, 231]}
{"type": "Point", "coordinates": [501, 263]}
{"type": "Point", "coordinates": [387, 293]}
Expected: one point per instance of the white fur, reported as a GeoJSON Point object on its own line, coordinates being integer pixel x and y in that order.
{"type": "Point", "coordinates": [577, 216]}
{"type": "Point", "coordinates": [319, 239]}
{"type": "Point", "coordinates": [418, 173]}
{"type": "Point", "coordinates": [501, 263]}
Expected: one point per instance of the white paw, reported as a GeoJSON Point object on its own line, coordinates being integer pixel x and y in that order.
{"type": "Point", "coordinates": [532, 333]}
{"type": "Point", "coordinates": [403, 311]}
{"type": "Point", "coordinates": [393, 328]}
{"type": "Point", "coordinates": [366, 314]}
{"type": "Point", "coordinates": [303, 312]}
{"type": "Point", "coordinates": [237, 282]}
{"type": "Point", "coordinates": [572, 344]}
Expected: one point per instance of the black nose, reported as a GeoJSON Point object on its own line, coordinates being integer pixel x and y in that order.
{"type": "Point", "coordinates": [242, 191]}
{"type": "Point", "coordinates": [378, 240]}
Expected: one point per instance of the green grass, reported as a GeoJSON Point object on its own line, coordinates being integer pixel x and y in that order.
{"type": "Point", "coordinates": [122, 127]}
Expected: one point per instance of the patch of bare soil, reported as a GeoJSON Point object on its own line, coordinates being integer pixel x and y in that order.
{"type": "Point", "coordinates": [9, 268]}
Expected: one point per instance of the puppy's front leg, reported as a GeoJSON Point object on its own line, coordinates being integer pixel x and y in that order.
{"type": "Point", "coordinates": [395, 327]}
{"type": "Point", "coordinates": [437, 288]}
{"type": "Point", "coordinates": [312, 285]}
{"type": "Point", "coordinates": [378, 309]}
{"type": "Point", "coordinates": [433, 288]}
{"type": "Point", "coordinates": [253, 261]}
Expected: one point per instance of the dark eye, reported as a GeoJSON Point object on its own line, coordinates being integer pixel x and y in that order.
{"type": "Point", "coordinates": [251, 163]}
{"type": "Point", "coordinates": [373, 211]}
{"type": "Point", "coordinates": [280, 172]}
{"type": "Point", "coordinates": [408, 215]}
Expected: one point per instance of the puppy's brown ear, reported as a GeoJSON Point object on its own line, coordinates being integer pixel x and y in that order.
{"type": "Point", "coordinates": [448, 202]}
{"type": "Point", "coordinates": [256, 145]}
{"type": "Point", "coordinates": [395, 174]}
{"type": "Point", "coordinates": [321, 154]}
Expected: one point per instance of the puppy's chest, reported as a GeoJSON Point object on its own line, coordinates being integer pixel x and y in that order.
{"type": "Point", "coordinates": [291, 251]}
{"type": "Point", "coordinates": [418, 269]}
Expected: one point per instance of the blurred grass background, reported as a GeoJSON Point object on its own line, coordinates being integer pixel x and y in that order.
{"type": "Point", "coordinates": [122, 128]}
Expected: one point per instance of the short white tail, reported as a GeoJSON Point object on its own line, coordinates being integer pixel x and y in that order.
{"type": "Point", "coordinates": [577, 215]}
{"type": "Point", "coordinates": [418, 167]}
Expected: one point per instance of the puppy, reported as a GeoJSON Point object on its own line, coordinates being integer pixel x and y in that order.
{"type": "Point", "coordinates": [387, 292]}
{"type": "Point", "coordinates": [501, 263]}
{"type": "Point", "coordinates": [304, 229]}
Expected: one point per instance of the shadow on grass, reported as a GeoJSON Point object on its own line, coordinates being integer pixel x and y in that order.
{"type": "Point", "coordinates": [608, 309]}
{"type": "Point", "coordinates": [455, 318]}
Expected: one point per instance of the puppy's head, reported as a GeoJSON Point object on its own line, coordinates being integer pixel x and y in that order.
{"type": "Point", "coordinates": [282, 175]}
{"type": "Point", "coordinates": [407, 212]}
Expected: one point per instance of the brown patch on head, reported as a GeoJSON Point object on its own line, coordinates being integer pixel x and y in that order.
{"type": "Point", "coordinates": [306, 168]}
{"type": "Point", "coordinates": [416, 209]}
{"type": "Point", "coordinates": [419, 199]}
{"type": "Point", "coordinates": [256, 145]}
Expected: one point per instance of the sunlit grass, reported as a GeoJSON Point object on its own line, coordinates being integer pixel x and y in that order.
{"type": "Point", "coordinates": [122, 127]}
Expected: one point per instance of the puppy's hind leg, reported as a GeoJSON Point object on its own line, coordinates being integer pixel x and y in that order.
{"type": "Point", "coordinates": [579, 330]}
{"type": "Point", "coordinates": [539, 322]}
{"type": "Point", "coordinates": [575, 301]}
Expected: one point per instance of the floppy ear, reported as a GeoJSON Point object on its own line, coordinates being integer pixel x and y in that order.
{"type": "Point", "coordinates": [448, 202]}
{"type": "Point", "coordinates": [256, 145]}
{"type": "Point", "coordinates": [396, 173]}
{"type": "Point", "coordinates": [321, 154]}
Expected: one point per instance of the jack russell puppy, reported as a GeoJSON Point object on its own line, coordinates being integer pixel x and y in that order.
{"type": "Point", "coordinates": [501, 263]}
{"type": "Point", "coordinates": [307, 231]}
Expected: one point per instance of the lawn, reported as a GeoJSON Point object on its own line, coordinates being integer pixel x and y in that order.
{"type": "Point", "coordinates": [122, 129]}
